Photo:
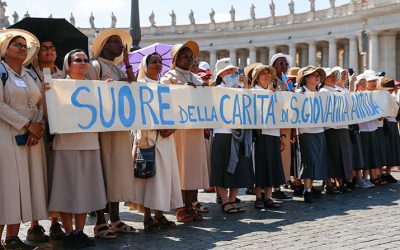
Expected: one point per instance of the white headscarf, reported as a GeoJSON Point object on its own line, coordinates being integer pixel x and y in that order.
{"type": "Point", "coordinates": [142, 70]}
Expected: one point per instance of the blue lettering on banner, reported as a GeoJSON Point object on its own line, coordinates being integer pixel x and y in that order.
{"type": "Point", "coordinates": [147, 103]}
{"type": "Point", "coordinates": [328, 110]}
{"type": "Point", "coordinates": [221, 109]}
{"type": "Point", "coordinates": [255, 108]}
{"type": "Point", "coordinates": [262, 97]}
{"type": "Point", "coordinates": [105, 123]}
{"type": "Point", "coordinates": [271, 110]}
{"type": "Point", "coordinates": [236, 111]}
{"type": "Point", "coordinates": [76, 103]}
{"type": "Point", "coordinates": [295, 110]}
{"type": "Point", "coordinates": [246, 100]}
{"type": "Point", "coordinates": [304, 116]}
{"type": "Point", "coordinates": [375, 106]}
{"type": "Point", "coordinates": [183, 115]}
{"type": "Point", "coordinates": [163, 105]}
{"type": "Point", "coordinates": [126, 93]}
{"type": "Point", "coordinates": [354, 109]}
{"type": "Point", "coordinates": [213, 115]}
{"type": "Point", "coordinates": [190, 113]}
{"type": "Point", "coordinates": [201, 119]}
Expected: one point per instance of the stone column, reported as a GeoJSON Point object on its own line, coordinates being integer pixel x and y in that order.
{"type": "Point", "coordinates": [232, 56]}
{"type": "Point", "coordinates": [272, 51]}
{"type": "Point", "coordinates": [213, 59]}
{"type": "Point", "coordinates": [312, 50]}
{"type": "Point", "coordinates": [325, 56]}
{"type": "Point", "coordinates": [264, 56]}
{"type": "Point", "coordinates": [346, 56]}
{"type": "Point", "coordinates": [253, 54]}
{"type": "Point", "coordinates": [389, 55]}
{"type": "Point", "coordinates": [304, 57]}
{"type": "Point", "coordinates": [353, 54]}
{"type": "Point", "coordinates": [243, 58]}
{"type": "Point", "coordinates": [332, 53]}
{"type": "Point", "coordinates": [373, 57]}
{"type": "Point", "coordinates": [292, 53]}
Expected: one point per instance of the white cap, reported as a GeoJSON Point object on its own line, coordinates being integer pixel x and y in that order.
{"type": "Point", "coordinates": [329, 71]}
{"type": "Point", "coordinates": [289, 59]}
{"type": "Point", "coordinates": [370, 75]}
{"type": "Point", "coordinates": [204, 66]}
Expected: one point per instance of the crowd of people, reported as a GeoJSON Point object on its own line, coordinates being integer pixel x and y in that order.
{"type": "Point", "coordinates": [66, 176]}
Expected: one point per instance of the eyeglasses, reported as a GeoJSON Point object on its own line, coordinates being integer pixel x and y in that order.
{"type": "Point", "coordinates": [21, 46]}
{"type": "Point", "coordinates": [283, 64]}
{"type": "Point", "coordinates": [80, 60]}
{"type": "Point", "coordinates": [48, 48]}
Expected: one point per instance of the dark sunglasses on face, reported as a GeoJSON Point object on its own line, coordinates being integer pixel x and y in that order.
{"type": "Point", "coordinates": [283, 64]}
{"type": "Point", "coordinates": [48, 48]}
{"type": "Point", "coordinates": [21, 46]}
{"type": "Point", "coordinates": [80, 60]}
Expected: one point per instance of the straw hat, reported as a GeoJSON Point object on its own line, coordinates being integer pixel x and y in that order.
{"type": "Point", "coordinates": [31, 41]}
{"type": "Point", "coordinates": [248, 70]}
{"type": "Point", "coordinates": [386, 83]}
{"type": "Point", "coordinates": [293, 71]}
{"type": "Point", "coordinates": [102, 37]}
{"type": "Point", "coordinates": [308, 71]}
{"type": "Point", "coordinates": [192, 45]}
{"type": "Point", "coordinates": [222, 65]}
{"type": "Point", "coordinates": [289, 58]}
{"type": "Point", "coordinates": [260, 68]}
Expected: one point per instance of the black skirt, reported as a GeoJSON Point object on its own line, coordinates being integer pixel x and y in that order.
{"type": "Point", "coordinates": [313, 156]}
{"type": "Point", "coordinates": [268, 161]}
{"type": "Point", "coordinates": [295, 163]}
{"type": "Point", "coordinates": [369, 148]}
{"type": "Point", "coordinates": [357, 153]}
{"type": "Point", "coordinates": [339, 157]}
{"type": "Point", "coordinates": [393, 151]}
{"type": "Point", "coordinates": [220, 157]}
{"type": "Point", "coordinates": [382, 141]}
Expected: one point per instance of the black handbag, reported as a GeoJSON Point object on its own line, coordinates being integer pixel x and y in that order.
{"type": "Point", "coordinates": [145, 163]}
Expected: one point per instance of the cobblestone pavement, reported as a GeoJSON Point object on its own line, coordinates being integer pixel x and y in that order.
{"type": "Point", "coordinates": [364, 219]}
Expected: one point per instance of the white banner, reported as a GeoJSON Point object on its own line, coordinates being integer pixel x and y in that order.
{"type": "Point", "coordinates": [95, 106]}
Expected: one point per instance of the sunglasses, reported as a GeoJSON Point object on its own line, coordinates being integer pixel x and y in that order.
{"type": "Point", "coordinates": [80, 60]}
{"type": "Point", "coordinates": [21, 46]}
{"type": "Point", "coordinates": [48, 48]}
{"type": "Point", "coordinates": [283, 64]}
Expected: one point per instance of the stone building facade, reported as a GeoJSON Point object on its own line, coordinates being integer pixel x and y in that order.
{"type": "Point", "coordinates": [361, 34]}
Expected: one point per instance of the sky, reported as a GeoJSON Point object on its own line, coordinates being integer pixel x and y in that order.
{"type": "Point", "coordinates": [102, 9]}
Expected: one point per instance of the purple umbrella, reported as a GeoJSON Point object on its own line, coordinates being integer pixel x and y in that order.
{"type": "Point", "coordinates": [163, 49]}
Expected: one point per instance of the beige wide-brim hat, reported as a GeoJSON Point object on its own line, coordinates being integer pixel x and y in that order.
{"type": "Point", "coordinates": [260, 68]}
{"type": "Point", "coordinates": [192, 45]}
{"type": "Point", "coordinates": [222, 65]}
{"type": "Point", "coordinates": [386, 84]}
{"type": "Point", "coordinates": [31, 41]}
{"type": "Point", "coordinates": [248, 70]}
{"type": "Point", "coordinates": [102, 37]}
{"type": "Point", "coordinates": [308, 71]}
{"type": "Point", "coordinates": [293, 71]}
